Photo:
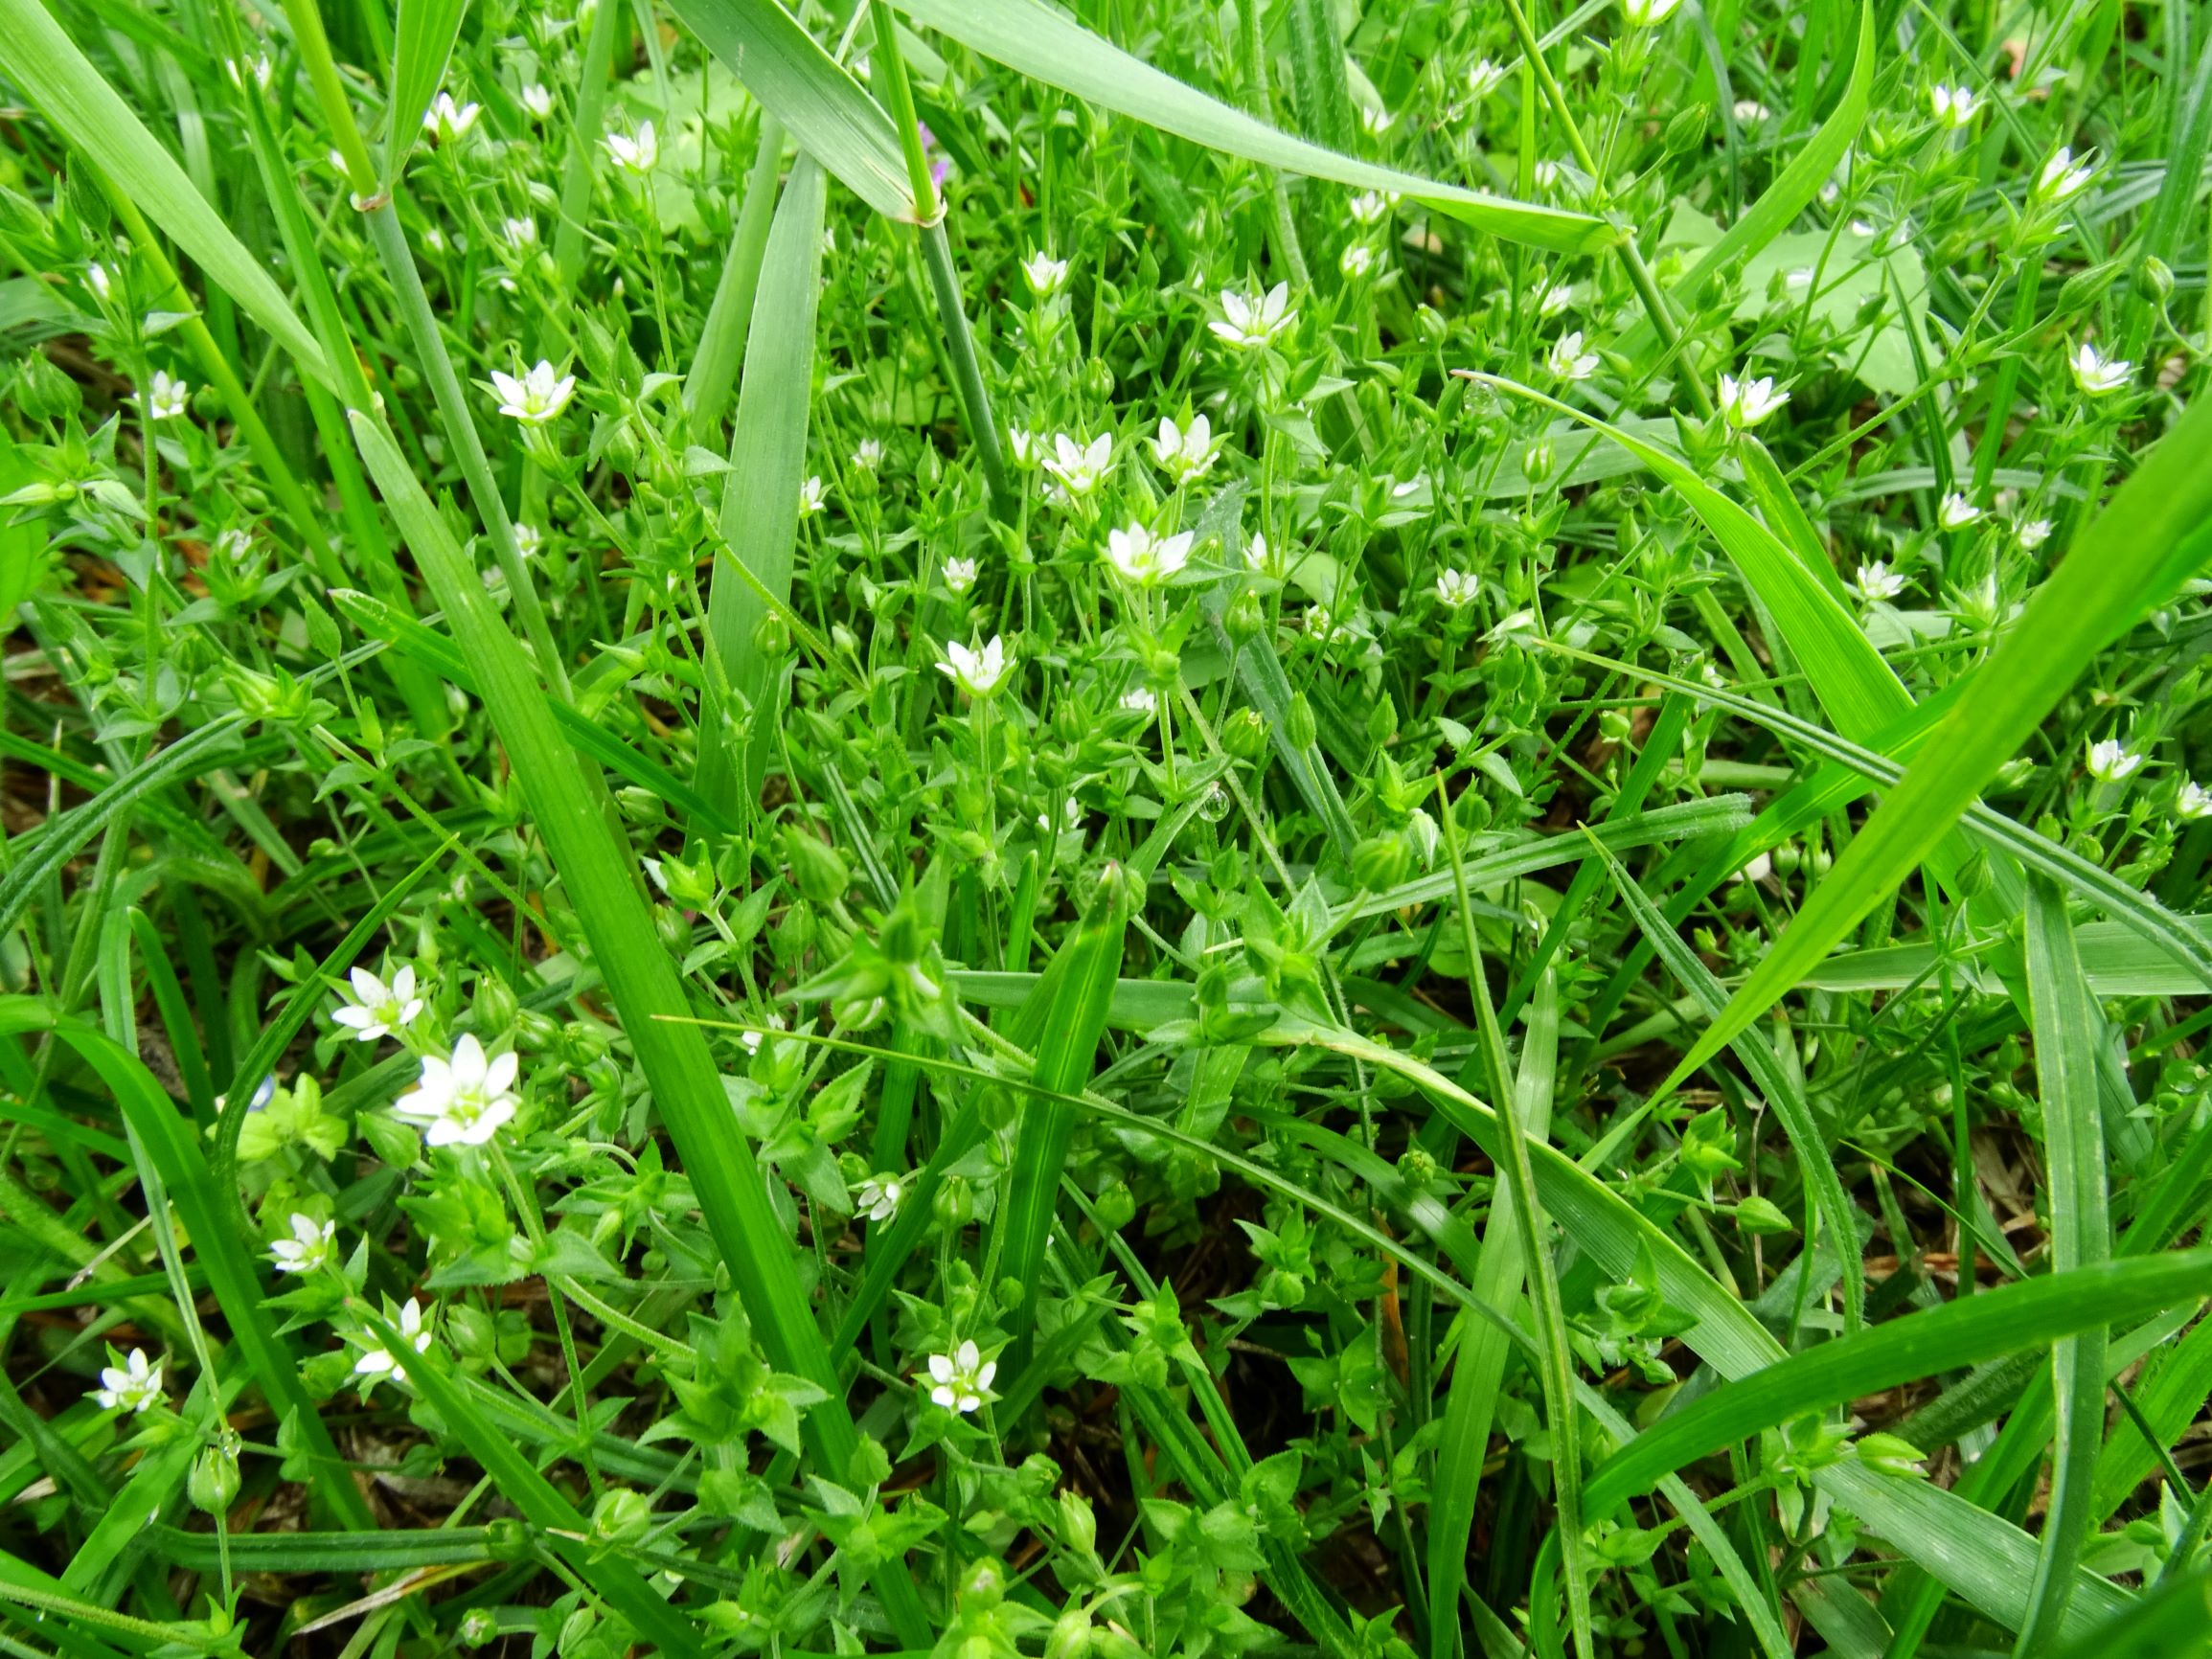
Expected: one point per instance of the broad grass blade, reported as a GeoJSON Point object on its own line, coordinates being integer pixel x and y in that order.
{"type": "Point", "coordinates": [423, 36]}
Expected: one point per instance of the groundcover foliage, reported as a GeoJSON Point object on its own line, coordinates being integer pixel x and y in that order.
{"type": "Point", "coordinates": [969, 828]}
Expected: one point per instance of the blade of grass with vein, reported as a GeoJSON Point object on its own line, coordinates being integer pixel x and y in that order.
{"type": "Point", "coordinates": [2067, 1030]}
{"type": "Point", "coordinates": [2125, 555]}
{"type": "Point", "coordinates": [575, 816]}
{"type": "Point", "coordinates": [424, 33]}
{"type": "Point", "coordinates": [1051, 46]}
{"type": "Point", "coordinates": [760, 513]}
{"type": "Point", "coordinates": [2173, 1622]}
{"type": "Point", "coordinates": [1814, 1163]}
{"type": "Point", "coordinates": [724, 336]}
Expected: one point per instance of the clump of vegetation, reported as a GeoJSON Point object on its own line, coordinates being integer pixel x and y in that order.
{"type": "Point", "coordinates": [971, 827]}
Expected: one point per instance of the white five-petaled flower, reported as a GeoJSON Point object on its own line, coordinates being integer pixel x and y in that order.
{"type": "Point", "coordinates": [960, 1380]}
{"type": "Point", "coordinates": [2098, 375]}
{"type": "Point", "coordinates": [309, 1249]}
{"type": "Point", "coordinates": [1186, 452]}
{"type": "Point", "coordinates": [1568, 361]}
{"type": "Point", "coordinates": [97, 279]}
{"type": "Point", "coordinates": [378, 1361]}
{"type": "Point", "coordinates": [1751, 112]}
{"type": "Point", "coordinates": [2193, 801]}
{"type": "Point", "coordinates": [960, 575]}
{"type": "Point", "coordinates": [537, 396]}
{"type": "Point", "coordinates": [1376, 122]}
{"type": "Point", "coordinates": [1875, 580]}
{"type": "Point", "coordinates": [810, 500]}
{"type": "Point", "coordinates": [257, 69]}
{"type": "Point", "coordinates": [1142, 558]}
{"type": "Point", "coordinates": [2032, 532]}
{"type": "Point", "coordinates": [1369, 206]}
{"type": "Point", "coordinates": [1744, 403]}
{"type": "Point", "coordinates": [979, 673]}
{"type": "Point", "coordinates": [538, 102]}
{"type": "Point", "coordinates": [1956, 512]}
{"type": "Point", "coordinates": [2110, 761]}
{"type": "Point", "coordinates": [379, 1009]}
{"type": "Point", "coordinates": [529, 540]}
{"type": "Point", "coordinates": [163, 397]}
{"type": "Point", "coordinates": [1045, 275]}
{"type": "Point", "coordinates": [1484, 79]}
{"type": "Point", "coordinates": [879, 1195]}
{"type": "Point", "coordinates": [1141, 700]}
{"type": "Point", "coordinates": [1258, 557]}
{"type": "Point", "coordinates": [1648, 14]}
{"type": "Point", "coordinates": [1077, 466]}
{"type": "Point", "coordinates": [464, 1099]}
{"type": "Point", "coordinates": [1954, 105]}
{"type": "Point", "coordinates": [634, 151]}
{"type": "Point", "coordinates": [1457, 587]}
{"type": "Point", "coordinates": [2061, 179]}
{"type": "Point", "coordinates": [519, 232]}
{"type": "Point", "coordinates": [1252, 321]}
{"type": "Point", "coordinates": [1025, 446]}
{"type": "Point", "coordinates": [752, 1038]}
{"type": "Point", "coordinates": [1357, 259]}
{"type": "Point", "coordinates": [1550, 299]}
{"type": "Point", "coordinates": [868, 454]}
{"type": "Point", "coordinates": [131, 1386]}
{"type": "Point", "coordinates": [447, 120]}
{"type": "Point", "coordinates": [1321, 623]}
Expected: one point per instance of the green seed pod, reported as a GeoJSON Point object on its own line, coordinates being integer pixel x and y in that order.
{"type": "Point", "coordinates": [1244, 734]}
{"type": "Point", "coordinates": [1298, 722]}
{"type": "Point", "coordinates": [772, 636]}
{"type": "Point", "coordinates": [1380, 861]}
{"type": "Point", "coordinates": [214, 1486]}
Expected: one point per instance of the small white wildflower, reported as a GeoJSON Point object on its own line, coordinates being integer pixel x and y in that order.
{"type": "Point", "coordinates": [1751, 112]}
{"type": "Point", "coordinates": [1744, 403]}
{"type": "Point", "coordinates": [1357, 259]}
{"type": "Point", "coordinates": [257, 69]}
{"type": "Point", "coordinates": [1954, 105]}
{"type": "Point", "coordinates": [1550, 299]}
{"type": "Point", "coordinates": [810, 500]}
{"type": "Point", "coordinates": [379, 1009]}
{"type": "Point", "coordinates": [634, 153]}
{"type": "Point", "coordinates": [977, 672]}
{"type": "Point", "coordinates": [2061, 180]}
{"type": "Point", "coordinates": [2032, 532]}
{"type": "Point", "coordinates": [449, 121]}
{"type": "Point", "coordinates": [377, 1361]}
{"type": "Point", "coordinates": [2193, 801]}
{"type": "Point", "coordinates": [1368, 206]}
{"type": "Point", "coordinates": [309, 1249]}
{"type": "Point", "coordinates": [529, 540]}
{"type": "Point", "coordinates": [1079, 466]}
{"type": "Point", "coordinates": [1025, 446]}
{"type": "Point", "coordinates": [1875, 580]}
{"type": "Point", "coordinates": [1045, 275]}
{"type": "Point", "coordinates": [1143, 559]}
{"type": "Point", "coordinates": [1185, 452]}
{"type": "Point", "coordinates": [960, 1380]}
{"type": "Point", "coordinates": [2096, 374]}
{"type": "Point", "coordinates": [1484, 79]}
{"type": "Point", "coordinates": [131, 1386]}
{"type": "Point", "coordinates": [1648, 14]}
{"type": "Point", "coordinates": [97, 279]}
{"type": "Point", "coordinates": [1956, 512]}
{"type": "Point", "coordinates": [1321, 623]}
{"type": "Point", "coordinates": [879, 1196]}
{"type": "Point", "coordinates": [1258, 558]}
{"type": "Point", "coordinates": [2111, 762]}
{"type": "Point", "coordinates": [1568, 361]}
{"type": "Point", "coordinates": [538, 102]}
{"type": "Point", "coordinates": [1376, 122]}
{"type": "Point", "coordinates": [868, 454]}
{"type": "Point", "coordinates": [960, 575]}
{"type": "Point", "coordinates": [537, 396]}
{"type": "Point", "coordinates": [751, 1040]}
{"type": "Point", "coordinates": [519, 233]}
{"type": "Point", "coordinates": [1142, 701]}
{"type": "Point", "coordinates": [165, 397]}
{"type": "Point", "coordinates": [259, 1101]}
{"type": "Point", "coordinates": [463, 1100]}
{"type": "Point", "coordinates": [1457, 587]}
{"type": "Point", "coordinates": [1248, 321]}
{"type": "Point", "coordinates": [1520, 625]}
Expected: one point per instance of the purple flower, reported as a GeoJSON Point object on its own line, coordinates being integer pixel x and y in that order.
{"type": "Point", "coordinates": [940, 166]}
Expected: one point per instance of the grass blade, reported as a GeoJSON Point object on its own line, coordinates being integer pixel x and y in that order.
{"type": "Point", "coordinates": [424, 32]}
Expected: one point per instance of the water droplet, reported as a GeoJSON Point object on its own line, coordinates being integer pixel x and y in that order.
{"type": "Point", "coordinates": [1215, 806]}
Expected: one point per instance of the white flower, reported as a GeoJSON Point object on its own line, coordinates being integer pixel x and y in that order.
{"type": "Point", "coordinates": [2032, 532]}
{"type": "Point", "coordinates": [1320, 624]}
{"type": "Point", "coordinates": [378, 1361]}
{"type": "Point", "coordinates": [1956, 512]}
{"type": "Point", "coordinates": [1186, 452]}
{"type": "Point", "coordinates": [528, 539]}
{"type": "Point", "coordinates": [447, 120]}
{"type": "Point", "coordinates": [1258, 558]}
{"type": "Point", "coordinates": [2110, 762]}
{"type": "Point", "coordinates": [538, 396]}
{"type": "Point", "coordinates": [309, 1249]}
{"type": "Point", "coordinates": [1376, 122]}
{"type": "Point", "coordinates": [1070, 810]}
{"type": "Point", "coordinates": [868, 454]}
{"type": "Point", "coordinates": [519, 233]}
{"type": "Point", "coordinates": [960, 574]}
{"type": "Point", "coordinates": [879, 1196]}
{"type": "Point", "coordinates": [2193, 802]}
{"type": "Point", "coordinates": [1080, 467]}
{"type": "Point", "coordinates": [132, 1386]}
{"type": "Point", "coordinates": [1457, 587]}
{"type": "Point", "coordinates": [751, 1040]}
{"type": "Point", "coordinates": [1552, 298]}
{"type": "Point", "coordinates": [258, 69]}
{"type": "Point", "coordinates": [959, 1380]}
{"type": "Point", "coordinates": [264, 1093]}
{"type": "Point", "coordinates": [1744, 403]}
{"type": "Point", "coordinates": [1875, 580]}
{"type": "Point", "coordinates": [810, 497]}
{"type": "Point", "coordinates": [1248, 321]}
{"type": "Point", "coordinates": [463, 1100]}
{"type": "Point", "coordinates": [377, 1010]}
{"type": "Point", "coordinates": [1369, 206]}
{"type": "Point", "coordinates": [2097, 374]}
{"type": "Point", "coordinates": [2060, 180]}
{"type": "Point", "coordinates": [1954, 105]}
{"type": "Point", "coordinates": [1484, 79]}
{"type": "Point", "coordinates": [164, 398]}
{"type": "Point", "coordinates": [1356, 260]}
{"type": "Point", "coordinates": [1520, 625]}
{"type": "Point", "coordinates": [1143, 700]}
{"type": "Point", "coordinates": [1143, 559]}
{"type": "Point", "coordinates": [1046, 276]}
{"type": "Point", "coordinates": [1568, 361]}
{"type": "Point", "coordinates": [1648, 14]}
{"type": "Point", "coordinates": [1025, 446]}
{"type": "Point", "coordinates": [634, 153]}
{"type": "Point", "coordinates": [977, 672]}
{"type": "Point", "coordinates": [97, 279]}
{"type": "Point", "coordinates": [1751, 112]}
{"type": "Point", "coordinates": [538, 102]}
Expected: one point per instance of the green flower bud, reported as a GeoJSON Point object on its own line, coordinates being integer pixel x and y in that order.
{"type": "Point", "coordinates": [213, 1485]}
{"type": "Point", "coordinates": [1380, 861]}
{"type": "Point", "coordinates": [1298, 722]}
{"type": "Point", "coordinates": [1246, 619]}
{"type": "Point", "coordinates": [478, 1626]}
{"type": "Point", "coordinates": [817, 869]}
{"type": "Point", "coordinates": [771, 636]}
{"type": "Point", "coordinates": [1071, 1636]}
{"type": "Point", "coordinates": [1888, 1454]}
{"type": "Point", "coordinates": [621, 1516]}
{"type": "Point", "coordinates": [1244, 734]}
{"type": "Point", "coordinates": [1763, 1216]}
{"type": "Point", "coordinates": [1117, 1207]}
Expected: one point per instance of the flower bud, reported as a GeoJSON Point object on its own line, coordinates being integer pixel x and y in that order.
{"type": "Point", "coordinates": [215, 1482]}
{"type": "Point", "coordinates": [771, 636]}
{"type": "Point", "coordinates": [1117, 1207]}
{"type": "Point", "coordinates": [1071, 1636]}
{"type": "Point", "coordinates": [1298, 723]}
{"type": "Point", "coordinates": [1244, 734]}
{"type": "Point", "coordinates": [621, 1516]}
{"type": "Point", "coordinates": [1246, 619]}
{"type": "Point", "coordinates": [478, 1626]}
{"type": "Point", "coordinates": [1078, 1522]}
{"type": "Point", "coordinates": [1380, 861]}
{"type": "Point", "coordinates": [1888, 1454]}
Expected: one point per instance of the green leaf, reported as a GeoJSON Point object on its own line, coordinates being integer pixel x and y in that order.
{"type": "Point", "coordinates": [1048, 45]}
{"type": "Point", "coordinates": [424, 35]}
